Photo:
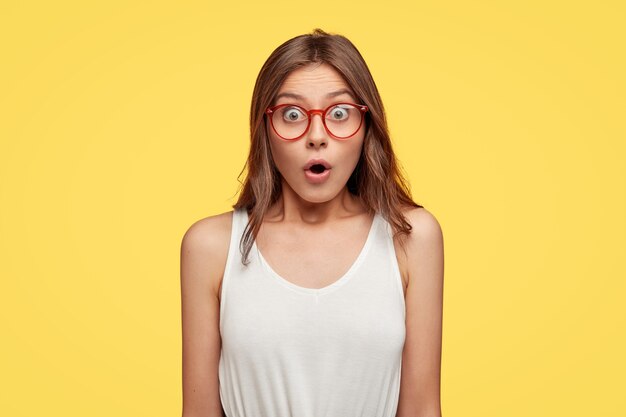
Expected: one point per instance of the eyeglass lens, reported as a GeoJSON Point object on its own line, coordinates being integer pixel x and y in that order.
{"type": "Point", "coordinates": [342, 120]}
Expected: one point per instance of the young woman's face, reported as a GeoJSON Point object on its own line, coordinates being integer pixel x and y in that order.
{"type": "Point", "coordinates": [319, 86]}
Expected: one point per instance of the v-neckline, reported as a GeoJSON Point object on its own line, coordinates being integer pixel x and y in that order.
{"type": "Point", "coordinates": [330, 287]}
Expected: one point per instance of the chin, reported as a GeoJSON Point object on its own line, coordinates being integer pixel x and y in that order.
{"type": "Point", "coordinates": [319, 195]}
{"type": "Point", "coordinates": [315, 199]}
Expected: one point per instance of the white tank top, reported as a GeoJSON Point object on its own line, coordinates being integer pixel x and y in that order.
{"type": "Point", "coordinates": [291, 351]}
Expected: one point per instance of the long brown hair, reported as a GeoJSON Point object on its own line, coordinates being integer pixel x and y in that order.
{"type": "Point", "coordinates": [377, 178]}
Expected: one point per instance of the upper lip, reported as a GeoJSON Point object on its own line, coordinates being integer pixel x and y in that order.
{"type": "Point", "coordinates": [315, 162]}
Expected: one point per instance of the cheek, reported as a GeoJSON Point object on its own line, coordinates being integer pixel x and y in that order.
{"type": "Point", "coordinates": [353, 153]}
{"type": "Point", "coordinates": [281, 154]}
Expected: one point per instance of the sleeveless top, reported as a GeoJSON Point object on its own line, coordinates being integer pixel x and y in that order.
{"type": "Point", "coordinates": [291, 351]}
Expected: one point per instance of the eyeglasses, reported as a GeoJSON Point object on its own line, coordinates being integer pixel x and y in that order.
{"type": "Point", "coordinates": [341, 120]}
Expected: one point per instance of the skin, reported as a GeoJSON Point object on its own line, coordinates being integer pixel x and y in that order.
{"type": "Point", "coordinates": [305, 215]}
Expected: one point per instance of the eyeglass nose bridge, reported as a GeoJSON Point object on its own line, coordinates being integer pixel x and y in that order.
{"type": "Point", "coordinates": [314, 111]}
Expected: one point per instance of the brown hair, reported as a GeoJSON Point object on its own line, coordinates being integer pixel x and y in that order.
{"type": "Point", "coordinates": [377, 179]}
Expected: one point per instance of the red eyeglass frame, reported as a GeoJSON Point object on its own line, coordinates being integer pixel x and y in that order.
{"type": "Point", "coordinates": [270, 110]}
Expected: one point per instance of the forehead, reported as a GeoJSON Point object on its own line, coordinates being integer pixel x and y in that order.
{"type": "Point", "coordinates": [313, 82]}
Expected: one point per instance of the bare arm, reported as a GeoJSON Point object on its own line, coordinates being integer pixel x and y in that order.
{"type": "Point", "coordinates": [421, 362]}
{"type": "Point", "coordinates": [201, 267]}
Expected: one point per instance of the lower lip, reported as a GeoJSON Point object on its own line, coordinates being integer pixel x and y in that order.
{"type": "Point", "coordinates": [314, 178]}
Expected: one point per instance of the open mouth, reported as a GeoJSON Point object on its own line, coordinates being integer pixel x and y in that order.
{"type": "Point", "coordinates": [317, 168]}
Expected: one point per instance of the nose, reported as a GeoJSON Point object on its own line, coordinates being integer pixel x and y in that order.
{"type": "Point", "coordinates": [317, 132]}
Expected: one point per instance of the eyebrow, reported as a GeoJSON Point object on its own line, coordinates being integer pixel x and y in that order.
{"type": "Point", "coordinates": [329, 95]}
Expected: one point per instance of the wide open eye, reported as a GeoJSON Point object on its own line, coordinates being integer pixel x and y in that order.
{"type": "Point", "coordinates": [339, 113]}
{"type": "Point", "coordinates": [292, 114]}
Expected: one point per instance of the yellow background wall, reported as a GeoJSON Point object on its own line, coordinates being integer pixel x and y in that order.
{"type": "Point", "coordinates": [122, 123]}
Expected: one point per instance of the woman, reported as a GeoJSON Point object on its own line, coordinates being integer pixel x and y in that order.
{"type": "Point", "coordinates": [320, 294]}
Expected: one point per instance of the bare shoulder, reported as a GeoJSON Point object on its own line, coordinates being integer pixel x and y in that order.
{"type": "Point", "coordinates": [424, 243]}
{"type": "Point", "coordinates": [425, 240]}
{"type": "Point", "coordinates": [204, 248]}
{"type": "Point", "coordinates": [425, 225]}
